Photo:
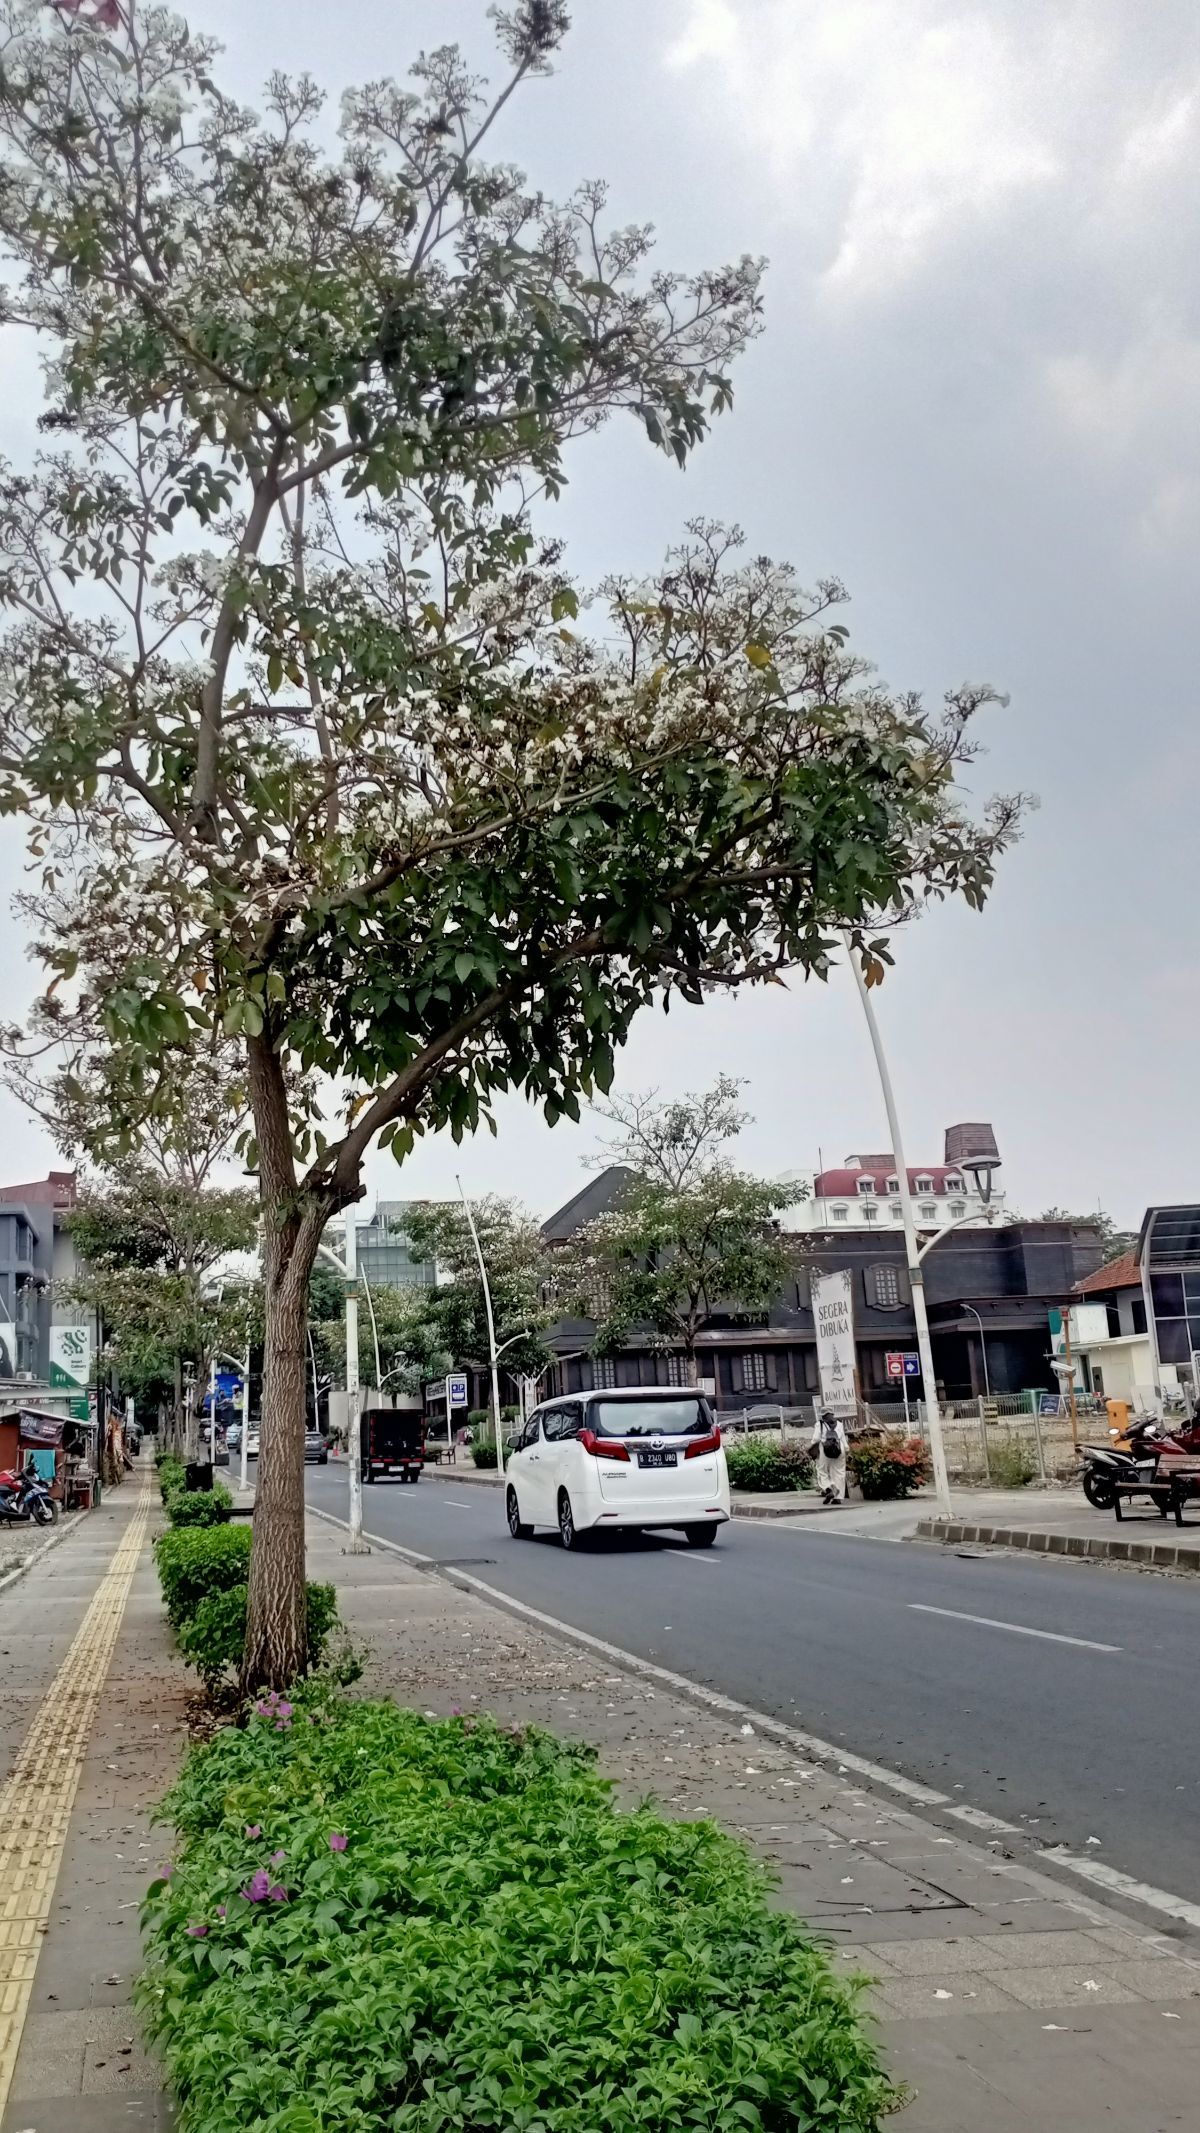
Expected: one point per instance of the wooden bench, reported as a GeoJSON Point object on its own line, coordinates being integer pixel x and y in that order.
{"type": "Point", "coordinates": [1160, 1494]}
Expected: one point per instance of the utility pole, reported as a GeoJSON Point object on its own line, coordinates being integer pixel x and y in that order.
{"type": "Point", "coordinates": [491, 1327]}
{"type": "Point", "coordinates": [987, 1389]}
{"type": "Point", "coordinates": [1070, 1360]}
{"type": "Point", "coordinates": [245, 1418]}
{"type": "Point", "coordinates": [916, 1277]}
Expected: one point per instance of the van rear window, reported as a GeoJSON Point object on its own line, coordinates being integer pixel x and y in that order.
{"type": "Point", "coordinates": [688, 1416]}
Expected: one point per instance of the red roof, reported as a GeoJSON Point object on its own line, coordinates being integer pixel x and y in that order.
{"type": "Point", "coordinates": [843, 1184]}
{"type": "Point", "coordinates": [1122, 1273]}
{"type": "Point", "coordinates": [56, 1190]}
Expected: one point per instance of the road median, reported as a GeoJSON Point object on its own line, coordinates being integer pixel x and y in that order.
{"type": "Point", "coordinates": [1064, 1543]}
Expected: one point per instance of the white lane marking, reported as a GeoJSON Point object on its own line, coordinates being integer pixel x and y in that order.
{"type": "Point", "coordinates": [977, 1819]}
{"type": "Point", "coordinates": [1108, 1877]}
{"type": "Point", "coordinates": [1018, 1629]}
{"type": "Point", "coordinates": [460, 1502]}
{"type": "Point", "coordinates": [691, 1555]}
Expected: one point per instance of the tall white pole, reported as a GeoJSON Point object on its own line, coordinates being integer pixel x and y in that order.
{"type": "Point", "coordinates": [916, 1277]}
{"type": "Point", "coordinates": [212, 1409]}
{"type": "Point", "coordinates": [491, 1326]}
{"type": "Point", "coordinates": [353, 1417]}
{"type": "Point", "coordinates": [374, 1332]}
{"type": "Point", "coordinates": [245, 1419]}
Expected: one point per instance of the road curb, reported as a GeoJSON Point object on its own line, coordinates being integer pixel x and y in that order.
{"type": "Point", "coordinates": [1085, 1547]}
{"type": "Point", "coordinates": [11, 1577]}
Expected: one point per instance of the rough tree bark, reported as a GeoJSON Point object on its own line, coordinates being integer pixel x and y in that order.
{"type": "Point", "coordinates": [276, 1649]}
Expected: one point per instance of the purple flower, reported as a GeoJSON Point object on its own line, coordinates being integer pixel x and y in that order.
{"type": "Point", "coordinates": [258, 1888]}
{"type": "Point", "coordinates": [337, 1843]}
{"type": "Point", "coordinates": [220, 1910]}
{"type": "Point", "coordinates": [456, 1712]}
{"type": "Point", "coordinates": [197, 1932]}
{"type": "Point", "coordinates": [283, 1709]}
{"type": "Point", "coordinates": [277, 1893]}
{"type": "Point", "coordinates": [254, 1829]}
{"type": "Point", "coordinates": [276, 1857]}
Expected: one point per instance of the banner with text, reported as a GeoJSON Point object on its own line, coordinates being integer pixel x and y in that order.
{"type": "Point", "coordinates": [71, 1365]}
{"type": "Point", "coordinates": [833, 1310]}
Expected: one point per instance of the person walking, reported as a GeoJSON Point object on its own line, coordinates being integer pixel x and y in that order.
{"type": "Point", "coordinates": [829, 1442]}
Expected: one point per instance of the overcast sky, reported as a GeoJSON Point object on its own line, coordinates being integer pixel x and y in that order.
{"type": "Point", "coordinates": [977, 401]}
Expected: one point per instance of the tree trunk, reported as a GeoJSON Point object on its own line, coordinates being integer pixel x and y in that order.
{"type": "Point", "coordinates": [276, 1649]}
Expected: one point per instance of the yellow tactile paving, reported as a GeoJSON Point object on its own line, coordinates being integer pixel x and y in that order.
{"type": "Point", "coordinates": [36, 1802]}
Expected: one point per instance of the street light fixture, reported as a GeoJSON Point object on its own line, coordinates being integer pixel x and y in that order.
{"type": "Point", "coordinates": [987, 1388]}
{"type": "Point", "coordinates": [348, 1267]}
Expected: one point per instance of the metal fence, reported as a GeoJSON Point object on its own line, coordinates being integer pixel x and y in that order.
{"type": "Point", "coordinates": [1006, 1440]}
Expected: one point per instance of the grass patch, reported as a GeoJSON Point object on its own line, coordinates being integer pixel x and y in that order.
{"type": "Point", "coordinates": [379, 1921]}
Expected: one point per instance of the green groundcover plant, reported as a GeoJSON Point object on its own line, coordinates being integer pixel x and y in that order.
{"type": "Point", "coordinates": [761, 1464]}
{"type": "Point", "coordinates": [377, 1921]}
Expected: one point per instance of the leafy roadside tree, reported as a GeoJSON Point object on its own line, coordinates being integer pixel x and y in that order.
{"type": "Point", "coordinates": [147, 1247]}
{"type": "Point", "coordinates": [411, 1349]}
{"type": "Point", "coordinates": [308, 749]}
{"type": "Point", "coordinates": [519, 1273]}
{"type": "Point", "coordinates": [690, 1239]}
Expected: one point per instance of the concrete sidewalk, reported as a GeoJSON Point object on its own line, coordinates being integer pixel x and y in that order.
{"type": "Point", "coordinates": [80, 2067]}
{"type": "Point", "coordinates": [989, 1975]}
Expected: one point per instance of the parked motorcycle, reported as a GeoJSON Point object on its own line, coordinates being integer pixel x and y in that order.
{"type": "Point", "coordinates": [24, 1499]}
{"type": "Point", "coordinates": [1134, 1456]}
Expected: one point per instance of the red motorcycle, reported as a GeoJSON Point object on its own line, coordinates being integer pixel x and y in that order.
{"type": "Point", "coordinates": [24, 1498]}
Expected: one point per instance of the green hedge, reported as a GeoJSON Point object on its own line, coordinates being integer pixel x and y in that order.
{"type": "Point", "coordinates": [484, 1452]}
{"type": "Point", "coordinates": [199, 1507]}
{"type": "Point", "coordinates": [213, 1639]}
{"type": "Point", "coordinates": [196, 1560]}
{"type": "Point", "coordinates": [759, 1463]}
{"type": "Point", "coordinates": [376, 1922]}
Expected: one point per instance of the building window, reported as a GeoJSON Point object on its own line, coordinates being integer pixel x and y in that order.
{"type": "Point", "coordinates": [804, 1290]}
{"type": "Point", "coordinates": [955, 1185]}
{"type": "Point", "coordinates": [897, 1212]}
{"type": "Point", "coordinates": [885, 1288]}
{"type": "Point", "coordinates": [893, 1184]}
{"type": "Point", "coordinates": [870, 1213]}
{"type": "Point", "coordinates": [866, 1187]}
{"type": "Point", "coordinates": [676, 1370]}
{"type": "Point", "coordinates": [841, 1214]}
{"type": "Point", "coordinates": [754, 1373]}
{"type": "Point", "coordinates": [929, 1211]}
{"type": "Point", "coordinates": [604, 1373]}
{"type": "Point", "coordinates": [923, 1185]}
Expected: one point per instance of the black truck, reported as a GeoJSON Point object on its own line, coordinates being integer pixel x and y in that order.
{"type": "Point", "coordinates": [392, 1443]}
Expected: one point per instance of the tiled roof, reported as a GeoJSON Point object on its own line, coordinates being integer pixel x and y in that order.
{"type": "Point", "coordinates": [844, 1183]}
{"type": "Point", "coordinates": [57, 1190]}
{"type": "Point", "coordinates": [1122, 1273]}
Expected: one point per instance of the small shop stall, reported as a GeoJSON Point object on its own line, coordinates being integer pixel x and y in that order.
{"type": "Point", "coordinates": [62, 1448]}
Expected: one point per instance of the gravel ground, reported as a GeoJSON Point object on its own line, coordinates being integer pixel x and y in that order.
{"type": "Point", "coordinates": [18, 1543]}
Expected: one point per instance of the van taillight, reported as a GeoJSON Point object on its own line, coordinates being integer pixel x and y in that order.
{"type": "Point", "coordinates": [602, 1447]}
{"type": "Point", "coordinates": [699, 1445]}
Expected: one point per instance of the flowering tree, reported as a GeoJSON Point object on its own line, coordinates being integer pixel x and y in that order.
{"type": "Point", "coordinates": [290, 695]}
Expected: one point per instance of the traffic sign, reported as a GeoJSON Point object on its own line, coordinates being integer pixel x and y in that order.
{"type": "Point", "coordinates": [900, 1365]}
{"type": "Point", "coordinates": [456, 1392]}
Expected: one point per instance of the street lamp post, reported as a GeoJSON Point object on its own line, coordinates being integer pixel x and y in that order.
{"type": "Point", "coordinates": [916, 1276]}
{"type": "Point", "coordinates": [348, 1266]}
{"type": "Point", "coordinates": [491, 1326]}
{"type": "Point", "coordinates": [987, 1387]}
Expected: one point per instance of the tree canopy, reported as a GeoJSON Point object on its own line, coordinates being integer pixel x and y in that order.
{"type": "Point", "coordinates": [293, 696]}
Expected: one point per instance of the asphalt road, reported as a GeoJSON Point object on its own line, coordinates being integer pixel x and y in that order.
{"type": "Point", "coordinates": [844, 1638]}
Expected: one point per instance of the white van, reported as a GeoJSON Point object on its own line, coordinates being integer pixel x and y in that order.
{"type": "Point", "coordinates": [647, 1456]}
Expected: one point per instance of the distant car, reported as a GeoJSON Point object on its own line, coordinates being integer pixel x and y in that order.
{"type": "Point", "coordinates": [641, 1458]}
{"type": "Point", "coordinates": [315, 1448]}
{"type": "Point", "coordinates": [252, 1442]}
{"type": "Point", "coordinates": [233, 1436]}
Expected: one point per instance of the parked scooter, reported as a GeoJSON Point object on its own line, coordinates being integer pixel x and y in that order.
{"type": "Point", "coordinates": [1130, 1457]}
{"type": "Point", "coordinates": [24, 1498]}
{"type": "Point", "coordinates": [1134, 1457]}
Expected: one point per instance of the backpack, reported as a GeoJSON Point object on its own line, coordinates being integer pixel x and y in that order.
{"type": "Point", "coordinates": [831, 1443]}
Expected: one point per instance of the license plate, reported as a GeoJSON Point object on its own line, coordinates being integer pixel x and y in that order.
{"type": "Point", "coordinates": [657, 1458]}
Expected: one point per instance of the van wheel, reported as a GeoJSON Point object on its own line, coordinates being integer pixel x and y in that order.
{"type": "Point", "coordinates": [516, 1524]}
{"type": "Point", "coordinates": [700, 1536]}
{"type": "Point", "coordinates": [566, 1523]}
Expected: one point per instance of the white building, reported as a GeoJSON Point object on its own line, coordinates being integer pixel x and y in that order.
{"type": "Point", "coordinates": [864, 1192]}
